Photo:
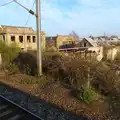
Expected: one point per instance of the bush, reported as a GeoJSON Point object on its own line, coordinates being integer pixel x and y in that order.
{"type": "Point", "coordinates": [27, 63]}
{"type": "Point", "coordinates": [69, 70]}
{"type": "Point", "coordinates": [52, 64]}
{"type": "Point", "coordinates": [104, 78]}
{"type": "Point", "coordinates": [12, 68]}
{"type": "Point", "coordinates": [8, 52]}
{"type": "Point", "coordinates": [51, 49]}
{"type": "Point", "coordinates": [88, 95]}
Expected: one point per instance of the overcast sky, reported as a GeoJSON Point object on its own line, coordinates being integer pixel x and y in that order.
{"type": "Point", "coordinates": [62, 16]}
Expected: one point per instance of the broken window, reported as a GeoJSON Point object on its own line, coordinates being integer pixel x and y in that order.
{"type": "Point", "coordinates": [85, 44]}
{"type": "Point", "coordinates": [12, 38]}
{"type": "Point", "coordinates": [22, 49]}
{"type": "Point", "coordinates": [34, 39]}
{"type": "Point", "coordinates": [3, 37]}
{"type": "Point", "coordinates": [28, 39]}
{"type": "Point", "coordinates": [21, 39]}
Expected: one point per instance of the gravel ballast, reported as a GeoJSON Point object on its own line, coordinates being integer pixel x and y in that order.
{"type": "Point", "coordinates": [40, 108]}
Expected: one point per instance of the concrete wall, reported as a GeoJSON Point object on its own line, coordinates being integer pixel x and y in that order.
{"type": "Point", "coordinates": [62, 40]}
{"type": "Point", "coordinates": [25, 44]}
{"type": "Point", "coordinates": [98, 51]}
{"type": "Point", "coordinates": [111, 53]}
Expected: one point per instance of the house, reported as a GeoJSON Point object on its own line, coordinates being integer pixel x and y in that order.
{"type": "Point", "coordinates": [94, 46]}
{"type": "Point", "coordinates": [88, 42]}
{"type": "Point", "coordinates": [61, 41]}
{"type": "Point", "coordinates": [64, 41]}
{"type": "Point", "coordinates": [25, 37]}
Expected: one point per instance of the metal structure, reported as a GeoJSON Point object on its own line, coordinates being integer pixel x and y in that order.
{"type": "Point", "coordinates": [11, 111]}
{"type": "Point", "coordinates": [38, 25]}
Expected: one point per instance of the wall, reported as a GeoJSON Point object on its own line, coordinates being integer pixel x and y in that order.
{"type": "Point", "coordinates": [111, 53]}
{"type": "Point", "coordinates": [99, 52]}
{"type": "Point", "coordinates": [61, 39]}
{"type": "Point", "coordinates": [25, 44]}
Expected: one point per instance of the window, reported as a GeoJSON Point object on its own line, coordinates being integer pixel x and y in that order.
{"type": "Point", "coordinates": [12, 38]}
{"type": "Point", "coordinates": [34, 39]}
{"type": "Point", "coordinates": [3, 37]}
{"type": "Point", "coordinates": [28, 39]}
{"type": "Point", "coordinates": [21, 39]}
{"type": "Point", "coordinates": [84, 44]}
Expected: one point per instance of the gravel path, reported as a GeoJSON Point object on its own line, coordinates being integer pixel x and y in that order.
{"type": "Point", "coordinates": [39, 107]}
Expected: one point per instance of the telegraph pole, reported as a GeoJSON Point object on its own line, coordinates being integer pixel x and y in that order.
{"type": "Point", "coordinates": [38, 25]}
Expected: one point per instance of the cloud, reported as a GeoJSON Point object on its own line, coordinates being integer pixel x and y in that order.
{"type": "Point", "coordinates": [96, 16]}
{"type": "Point", "coordinates": [61, 17]}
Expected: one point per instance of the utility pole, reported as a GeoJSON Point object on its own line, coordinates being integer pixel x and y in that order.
{"type": "Point", "coordinates": [39, 52]}
{"type": "Point", "coordinates": [38, 25]}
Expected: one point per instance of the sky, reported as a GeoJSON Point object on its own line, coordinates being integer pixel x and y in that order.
{"type": "Point", "coordinates": [85, 17]}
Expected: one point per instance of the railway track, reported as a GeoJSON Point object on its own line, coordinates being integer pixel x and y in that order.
{"type": "Point", "coordinates": [11, 111]}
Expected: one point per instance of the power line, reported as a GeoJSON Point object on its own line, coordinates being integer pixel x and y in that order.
{"type": "Point", "coordinates": [29, 14]}
{"type": "Point", "coordinates": [6, 3]}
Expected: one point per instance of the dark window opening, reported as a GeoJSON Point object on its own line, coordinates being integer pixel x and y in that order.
{"type": "Point", "coordinates": [84, 44]}
{"type": "Point", "coordinates": [28, 39]}
{"type": "Point", "coordinates": [34, 39]}
{"type": "Point", "coordinates": [3, 37]}
{"type": "Point", "coordinates": [21, 39]}
{"type": "Point", "coordinates": [13, 38]}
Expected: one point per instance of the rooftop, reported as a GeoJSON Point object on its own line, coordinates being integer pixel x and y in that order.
{"type": "Point", "coordinates": [91, 41]}
{"type": "Point", "coordinates": [16, 29]}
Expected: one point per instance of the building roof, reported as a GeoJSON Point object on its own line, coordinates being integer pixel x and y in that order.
{"type": "Point", "coordinates": [16, 30]}
{"type": "Point", "coordinates": [91, 41]}
{"type": "Point", "coordinates": [102, 39]}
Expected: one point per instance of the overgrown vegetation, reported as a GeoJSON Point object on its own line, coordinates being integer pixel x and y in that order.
{"type": "Point", "coordinates": [12, 68]}
{"type": "Point", "coordinates": [70, 71]}
{"type": "Point", "coordinates": [88, 94]}
{"type": "Point", "coordinates": [8, 53]}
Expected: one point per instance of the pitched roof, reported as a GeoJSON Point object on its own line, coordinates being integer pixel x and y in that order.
{"type": "Point", "coordinates": [91, 41]}
{"type": "Point", "coordinates": [16, 30]}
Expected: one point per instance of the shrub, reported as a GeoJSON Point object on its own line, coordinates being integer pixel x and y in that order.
{"type": "Point", "coordinates": [51, 49]}
{"type": "Point", "coordinates": [8, 52]}
{"type": "Point", "coordinates": [76, 72]}
{"type": "Point", "coordinates": [114, 104]}
{"type": "Point", "coordinates": [104, 78]}
{"type": "Point", "coordinates": [68, 69]}
{"type": "Point", "coordinates": [12, 68]}
{"type": "Point", "coordinates": [88, 95]}
{"type": "Point", "coordinates": [27, 63]}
